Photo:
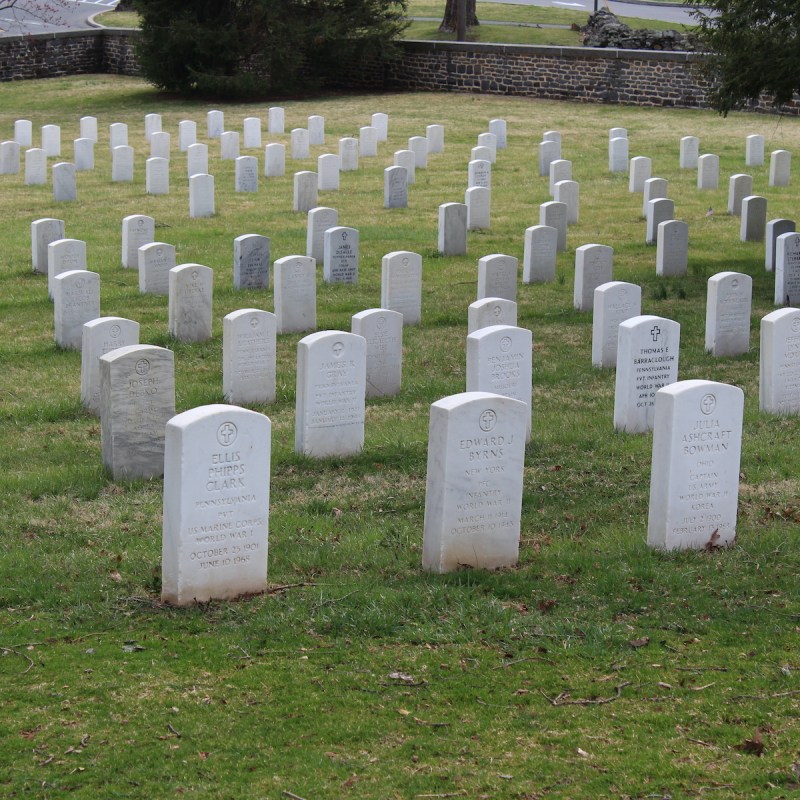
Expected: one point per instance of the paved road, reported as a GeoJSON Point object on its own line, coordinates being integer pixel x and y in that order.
{"type": "Point", "coordinates": [70, 15]}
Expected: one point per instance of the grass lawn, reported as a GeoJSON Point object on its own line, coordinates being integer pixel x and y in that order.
{"type": "Point", "coordinates": [596, 668]}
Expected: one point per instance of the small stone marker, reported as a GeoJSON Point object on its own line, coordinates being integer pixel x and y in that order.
{"type": "Point", "coordinates": [479, 173]}
{"type": "Point", "coordinates": [216, 505]}
{"type": "Point", "coordinates": [739, 187]}
{"type": "Point", "coordinates": [88, 128]}
{"type": "Point", "coordinates": [641, 170]}
{"type": "Point", "coordinates": [418, 145]}
{"type": "Point", "coordinates": [554, 215]}
{"type": "Point", "coordinates": [775, 227]}
{"type": "Point", "coordinates": [594, 264]}
{"type": "Point", "coordinates": [201, 196]}
{"type": "Point", "coordinates": [568, 193]}
{"type": "Point", "coordinates": [368, 142]}
{"type": "Point", "coordinates": [560, 170]}
{"type": "Point", "coordinates": [618, 154]}
{"type": "Point", "coordinates": [500, 360]}
{"type": "Point", "coordinates": [187, 134]}
{"type": "Point", "coordinates": [694, 480]}
{"type": "Point", "coordinates": [478, 201]}
{"type": "Point", "coordinates": [348, 154]}
{"type": "Point", "coordinates": [452, 229]}
{"type": "Point", "coordinates": [246, 174]}
{"type": "Point", "coordinates": [658, 211]}
{"type": "Point", "coordinates": [9, 158]}
{"type": "Point", "coordinates": [248, 356]}
{"type": "Point", "coordinates": [191, 289]}
{"type": "Point", "coordinates": [35, 167]}
{"type": "Point", "coordinates": [500, 129]}
{"type": "Point", "coordinates": [229, 145]}
{"type": "Point", "coordinates": [137, 230]}
{"type": "Point", "coordinates": [383, 331]}
{"type": "Point", "coordinates": [197, 159]}
{"type": "Point", "coordinates": [64, 186]}
{"type": "Point", "coordinates": [340, 255]}
{"type": "Point", "coordinates": [295, 282]}
{"type": "Point", "coordinates": [157, 176]}
{"type": "Point", "coordinates": [407, 159]}
{"type": "Point", "coordinates": [654, 189]}
{"type": "Point", "coordinates": [728, 303]}
{"type": "Point", "coordinates": [473, 493]}
{"type": "Point", "coordinates": [137, 398]}
{"type": "Point", "coordinates": [754, 219]}
{"type": "Point", "coordinates": [251, 133]}
{"type": "Point", "coordinates": [160, 145]}
{"type": "Point", "coordinates": [331, 385]}
{"type": "Point", "coordinates": [549, 151]}
{"type": "Point", "coordinates": [647, 359]}
{"type": "Point", "coordinates": [320, 219]}
{"type": "Point", "coordinates": [251, 261]}
{"type": "Point", "coordinates": [779, 385]}
{"type": "Point", "coordinates": [51, 140]}
{"type": "Point", "coordinates": [316, 130]}
{"type": "Point", "coordinates": [101, 336]}
{"type": "Point", "coordinates": [614, 302]}
{"type": "Point", "coordinates": [299, 143]}
{"type": "Point", "coordinates": [76, 299]}
{"type": "Point", "coordinates": [780, 165]}
{"type": "Point", "coordinates": [305, 191]}
{"type": "Point", "coordinates": [328, 172]}
{"type": "Point", "coordinates": [122, 164]}
{"type": "Point", "coordinates": [539, 254]}
{"type": "Point", "coordinates": [215, 124]}
{"type": "Point", "coordinates": [787, 270]}
{"type": "Point", "coordinates": [380, 122]}
{"type": "Point", "coordinates": [401, 285]}
{"type": "Point", "coordinates": [395, 187]}
{"type": "Point", "coordinates": [23, 132]}
{"type": "Point", "coordinates": [152, 124]}
{"type": "Point", "coordinates": [276, 119]}
{"type": "Point", "coordinates": [708, 171]}
{"type": "Point", "coordinates": [490, 140]}
{"type": "Point", "coordinates": [274, 160]}
{"type": "Point", "coordinates": [43, 232]}
{"type": "Point", "coordinates": [155, 261]}
{"type": "Point", "coordinates": [117, 135]}
{"type": "Point", "coordinates": [64, 255]}
{"type": "Point", "coordinates": [672, 248]}
{"type": "Point", "coordinates": [83, 155]}
{"type": "Point", "coordinates": [435, 137]}
{"type": "Point", "coordinates": [754, 150]}
{"type": "Point", "coordinates": [497, 276]}
{"type": "Point", "coordinates": [491, 311]}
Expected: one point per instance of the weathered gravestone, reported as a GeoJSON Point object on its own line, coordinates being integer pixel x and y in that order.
{"type": "Point", "coordinates": [658, 211]}
{"type": "Point", "coordinates": [137, 231]}
{"type": "Point", "coordinates": [215, 124]}
{"type": "Point", "coordinates": [380, 122]}
{"type": "Point", "coordinates": [754, 150]}
{"type": "Point", "coordinates": [560, 170]}
{"type": "Point", "coordinates": [689, 152]}
{"type": "Point", "coordinates": [728, 302]}
{"type": "Point", "coordinates": [787, 270]}
{"type": "Point", "coordinates": [83, 155]}
{"type": "Point", "coordinates": [654, 189]}
{"type": "Point", "coordinates": [137, 398]}
{"type": "Point", "coordinates": [491, 311]}
{"type": "Point", "coordinates": [43, 232]}
{"type": "Point", "coordinates": [274, 160]}
{"type": "Point", "coordinates": [739, 187]}
{"type": "Point", "coordinates": [276, 117]}
{"type": "Point", "coordinates": [549, 151]}
{"type": "Point", "coordinates": [368, 142]}
{"type": "Point", "coordinates": [157, 176]}
{"type": "Point", "coordinates": [383, 331]}
{"type": "Point", "coordinates": [160, 145]}
{"type": "Point", "coordinates": [539, 254]}
{"type": "Point", "coordinates": [51, 140]}
{"type": "Point", "coordinates": [197, 159]}
{"type": "Point", "coordinates": [117, 135]}
{"type": "Point", "coordinates": [775, 227]}
{"type": "Point", "coordinates": [452, 229]}
{"type": "Point", "coordinates": [500, 129]}
{"type": "Point", "coordinates": [251, 261]}
{"type": "Point", "coordinates": [320, 219]}
{"type": "Point", "coordinates": [647, 359]}
{"type": "Point", "coordinates": [395, 187]}
{"type": "Point", "coordinates": [418, 145]}
{"type": "Point", "coordinates": [35, 167]}
{"type": "Point", "coordinates": [407, 159]}
{"type": "Point", "coordinates": [191, 288]}
{"type": "Point", "coordinates": [100, 336]}
{"type": "Point", "coordinates": [246, 174]}
{"type": "Point", "coordinates": [295, 285]}
{"type": "Point", "coordinates": [435, 137]}
{"type": "Point", "coordinates": [478, 201]}
{"type": "Point", "coordinates": [617, 133]}
{"type": "Point", "coordinates": [568, 193]}
{"type": "Point", "coordinates": [779, 380]}
{"type": "Point", "coordinates": [65, 189]}
{"type": "Point", "coordinates": [780, 165]}
{"type": "Point", "coordinates": [23, 132]}
{"type": "Point", "coordinates": [305, 191]}
{"type": "Point", "coordinates": [299, 143]}
{"type": "Point", "coordinates": [348, 154]}
{"type": "Point", "coordinates": [694, 480]}
{"type": "Point", "coordinates": [248, 356]}
{"type": "Point", "coordinates": [229, 149]}
{"type": "Point", "coordinates": [497, 276]}
{"type": "Point", "coordinates": [64, 255]}
{"type": "Point", "coordinates": [618, 154]}
{"type": "Point", "coordinates": [316, 130]}
{"type": "Point", "coordinates": [489, 140]}
{"type": "Point", "coordinates": [328, 172]}
{"type": "Point", "coordinates": [479, 173]}
{"type": "Point", "coordinates": [401, 285]}
{"type": "Point", "coordinates": [554, 215]}
{"type": "Point", "coordinates": [754, 219]}
{"type": "Point", "coordinates": [331, 385]}
{"type": "Point", "coordinates": [76, 299]}
{"type": "Point", "coordinates": [88, 128]}
{"type": "Point", "coordinates": [641, 170]}
{"type": "Point", "coordinates": [672, 248]}
{"type": "Point", "coordinates": [152, 124]}
{"type": "Point", "coordinates": [340, 255]}
{"type": "Point", "coordinates": [187, 135]}
{"type": "Point", "coordinates": [708, 171]}
{"type": "Point", "coordinates": [614, 302]}
{"type": "Point", "coordinates": [473, 493]}
{"type": "Point", "coordinates": [122, 164]}
{"type": "Point", "coordinates": [594, 264]}
{"type": "Point", "coordinates": [251, 133]}
{"type": "Point", "coordinates": [9, 158]}
{"type": "Point", "coordinates": [216, 505]}
{"type": "Point", "coordinates": [201, 196]}
{"type": "Point", "coordinates": [155, 260]}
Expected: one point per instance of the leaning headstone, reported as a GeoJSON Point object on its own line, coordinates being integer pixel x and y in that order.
{"type": "Point", "coordinates": [780, 165]}
{"type": "Point", "coordinates": [779, 384]}
{"type": "Point", "coordinates": [215, 124]}
{"type": "Point", "coordinates": [328, 172]}
{"type": "Point", "coordinates": [274, 160]}
{"type": "Point", "coordinates": [152, 124]}
{"type": "Point", "coordinates": [295, 283]}
{"type": "Point", "coordinates": [137, 230]}
{"type": "Point", "coordinates": [491, 311]}
{"type": "Point", "coordinates": [117, 135]}
{"type": "Point", "coordinates": [568, 193]}
{"type": "Point", "coordinates": [9, 158]}
{"type": "Point", "coordinates": [499, 128]}
{"type": "Point", "coordinates": [672, 248]}
{"type": "Point", "coordinates": [658, 211]}
{"type": "Point", "coordinates": [64, 255]}
{"type": "Point", "coordinates": [201, 196]}
{"type": "Point", "coordinates": [754, 150]}
{"type": "Point", "coordinates": [554, 215]}
{"type": "Point", "coordinates": [43, 232]}
{"type": "Point", "coordinates": [434, 134]}
{"type": "Point", "coordinates": [197, 159]}
{"type": "Point", "coordinates": [694, 479]}
{"type": "Point", "coordinates": [614, 302]}
{"type": "Point", "coordinates": [500, 360]}
{"type": "Point", "coordinates": [65, 188]}
{"type": "Point", "coordinates": [380, 122]}
{"type": "Point", "coordinates": [122, 164]}
{"type": "Point", "coordinates": [248, 356]}
{"type": "Point", "coordinates": [641, 170]}
{"type": "Point", "coordinates": [35, 167]}
{"type": "Point", "coordinates": [246, 174]}
{"type": "Point", "coordinates": [708, 171]}
{"type": "Point", "coordinates": [452, 229]}
{"type": "Point", "coordinates": [647, 359]}
{"type": "Point", "coordinates": [618, 154]}
{"type": "Point", "coordinates": [594, 264]}
{"type": "Point", "coordinates": [473, 493]}
{"type": "Point", "coordinates": [654, 189]}
{"type": "Point", "coordinates": [689, 152]}
{"type": "Point", "coordinates": [401, 285]}
{"type": "Point", "coordinates": [83, 154]}
{"type": "Point", "coordinates": [739, 187]}
{"type": "Point", "coordinates": [299, 143]}
{"type": "Point", "coordinates": [395, 187]}
{"type": "Point", "coordinates": [497, 276]}
{"type": "Point", "coordinates": [340, 255]}
{"type": "Point", "coordinates": [76, 300]}
{"type": "Point", "coordinates": [418, 145]}
{"type": "Point", "coordinates": [23, 132]}
{"type": "Point", "coordinates": [137, 398]}
{"type": "Point", "coordinates": [383, 331]}
{"type": "Point", "coordinates": [155, 261]}
{"type": "Point", "coordinates": [157, 176]}
{"type": "Point", "coordinates": [160, 145]}
{"type": "Point", "coordinates": [728, 301]}
{"type": "Point", "coordinates": [305, 191]}
{"type": "Point", "coordinates": [787, 270]}
{"type": "Point", "coordinates": [229, 149]}
{"type": "Point", "coordinates": [775, 227]}
{"type": "Point", "coordinates": [407, 159]}
{"type": "Point", "coordinates": [101, 336]}
{"type": "Point", "coordinates": [320, 219]}
{"type": "Point", "coordinates": [251, 261]}
{"type": "Point", "coordinates": [187, 134]}
{"type": "Point", "coordinates": [348, 154]}
{"type": "Point", "coordinates": [549, 151]}
{"type": "Point", "coordinates": [276, 119]}
{"type": "Point", "coordinates": [216, 505]}
{"type": "Point", "coordinates": [316, 130]}
{"type": "Point", "coordinates": [88, 128]}
{"type": "Point", "coordinates": [251, 133]}
{"type": "Point", "coordinates": [191, 289]}
{"type": "Point", "coordinates": [479, 173]}
{"type": "Point", "coordinates": [754, 219]}
{"type": "Point", "coordinates": [539, 254]}
{"type": "Point", "coordinates": [331, 385]}
{"type": "Point", "coordinates": [560, 170]}
{"type": "Point", "coordinates": [478, 201]}
{"type": "Point", "coordinates": [368, 142]}
{"type": "Point", "coordinates": [51, 140]}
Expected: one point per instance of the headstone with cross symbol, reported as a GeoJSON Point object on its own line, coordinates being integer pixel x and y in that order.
{"type": "Point", "coordinates": [728, 303]}
{"type": "Point", "coordinates": [248, 356]}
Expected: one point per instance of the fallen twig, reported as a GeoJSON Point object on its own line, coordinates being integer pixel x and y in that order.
{"type": "Point", "coordinates": [283, 587]}
{"type": "Point", "coordinates": [332, 600]}
{"type": "Point", "coordinates": [445, 794]}
{"type": "Point", "coordinates": [173, 731]}
{"type": "Point", "coordinates": [561, 699]}
{"type": "Point", "coordinates": [21, 655]}
{"type": "Point", "coordinates": [701, 669]}
{"type": "Point", "coordinates": [521, 660]}
{"type": "Point", "coordinates": [294, 796]}
{"type": "Point", "coordinates": [765, 696]}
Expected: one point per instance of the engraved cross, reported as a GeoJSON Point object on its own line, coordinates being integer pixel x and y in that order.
{"type": "Point", "coordinates": [655, 333]}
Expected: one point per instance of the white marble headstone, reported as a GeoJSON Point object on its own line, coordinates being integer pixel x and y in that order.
{"type": "Point", "coordinates": [155, 260]}
{"type": "Point", "coordinates": [787, 270]}
{"type": "Point", "coordinates": [276, 117]}
{"type": "Point", "coordinates": [539, 254]}
{"type": "Point", "coordinates": [157, 176]}
{"type": "Point", "coordinates": [35, 167]}
{"type": "Point", "coordinates": [497, 276]}
{"type": "Point", "coordinates": [295, 283]}
{"type": "Point", "coordinates": [401, 285]}
{"type": "Point", "coordinates": [251, 261]}
{"type": "Point", "coordinates": [383, 331]}
{"type": "Point", "coordinates": [554, 215]}
{"type": "Point", "coordinates": [201, 196]}
{"type": "Point", "coordinates": [779, 382]}
{"type": "Point", "coordinates": [305, 191]}
{"type": "Point", "coordinates": [191, 288]}
{"type": "Point", "coordinates": [672, 248]}
{"type": "Point", "coordinates": [491, 311]}
{"type": "Point", "coordinates": [100, 336]}
{"type": "Point", "coordinates": [43, 232]}
{"type": "Point", "coordinates": [122, 164]}
{"type": "Point", "coordinates": [65, 188]}
{"type": "Point", "coordinates": [137, 230]}
{"type": "Point", "coordinates": [594, 264]}
{"type": "Point", "coordinates": [452, 229]}
{"type": "Point", "coordinates": [478, 200]}
{"type": "Point", "coordinates": [319, 220]}
{"type": "Point", "coordinates": [739, 187]}
{"type": "Point", "coordinates": [728, 303]}
{"type": "Point", "coordinates": [248, 356]}
{"type": "Point", "coordinates": [395, 187]}
{"type": "Point", "coordinates": [246, 174]}
{"type": "Point", "coordinates": [274, 160]}
{"type": "Point", "coordinates": [614, 302]}
{"type": "Point", "coordinates": [340, 255]}
{"type": "Point", "coordinates": [76, 299]}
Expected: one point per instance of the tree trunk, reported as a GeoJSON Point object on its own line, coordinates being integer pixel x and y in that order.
{"type": "Point", "coordinates": [450, 19]}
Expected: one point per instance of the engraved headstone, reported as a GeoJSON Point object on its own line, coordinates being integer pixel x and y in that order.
{"type": "Point", "coordinates": [191, 289]}
{"type": "Point", "coordinates": [76, 299]}
{"type": "Point", "coordinates": [708, 171]}
{"type": "Point", "coordinates": [274, 160]}
{"type": "Point", "coordinates": [775, 227]}
{"type": "Point", "coordinates": [490, 140]}
{"type": "Point", "coordinates": [299, 143]}
{"type": "Point", "coordinates": [295, 283]}
{"type": "Point", "coordinates": [122, 164]}
{"type": "Point", "coordinates": [739, 187]}
{"type": "Point", "coordinates": [654, 189]}
{"type": "Point", "coordinates": [641, 170]}
{"type": "Point", "coordinates": [787, 270]}
{"type": "Point", "coordinates": [88, 128]}
{"type": "Point", "coordinates": [435, 137]}
{"type": "Point", "coordinates": [497, 276]}
{"type": "Point", "coordinates": [320, 219]}
{"type": "Point", "coordinates": [229, 148]}
{"type": "Point", "coordinates": [560, 170]}
{"type": "Point", "coordinates": [215, 124]}
{"type": "Point", "coordinates": [452, 229]}
{"type": "Point", "coordinates": [618, 154]}
{"type": "Point", "coordinates": [137, 230]}
{"type": "Point", "coordinates": [658, 211]}
{"type": "Point", "coordinates": [35, 167]}
{"type": "Point", "coordinates": [672, 248]}
{"type": "Point", "coordinates": [754, 219]}
{"type": "Point", "coordinates": [728, 302]}
{"type": "Point", "coordinates": [152, 124]}
{"type": "Point", "coordinates": [779, 382]}
{"type": "Point", "coordinates": [43, 232]}
{"type": "Point", "coordinates": [83, 154]}
{"type": "Point", "coordinates": [328, 172]}
{"type": "Point", "coordinates": [478, 201]}
{"type": "Point", "coordinates": [201, 196]}
{"type": "Point", "coordinates": [554, 215]}
{"type": "Point", "coordinates": [549, 151]}
{"type": "Point", "coordinates": [594, 264]}
{"type": "Point", "coordinates": [316, 130]}
{"type": "Point", "coordinates": [340, 255]}
{"type": "Point", "coordinates": [617, 133]}
{"type": "Point", "coordinates": [401, 285]}
{"type": "Point", "coordinates": [380, 122]}
{"type": "Point", "coordinates": [160, 145]}
{"type": "Point", "coordinates": [276, 119]}
{"type": "Point", "coordinates": [23, 132]}
{"type": "Point", "coordinates": [51, 140]}
{"type": "Point", "coordinates": [418, 145]}
{"type": "Point", "coordinates": [481, 153]}
{"type": "Point", "coordinates": [568, 193]}
{"type": "Point", "coordinates": [64, 255]}
{"type": "Point", "coordinates": [383, 331]}
{"type": "Point", "coordinates": [614, 302]}
{"type": "Point", "coordinates": [754, 150]}
{"type": "Point", "coordinates": [689, 152]}
{"type": "Point", "coordinates": [305, 191]}
{"type": "Point", "coordinates": [368, 141]}
{"type": "Point", "coordinates": [552, 136]}
{"type": "Point", "coordinates": [246, 174]}
{"type": "Point", "coordinates": [9, 158]}
{"type": "Point", "coordinates": [491, 311]}
{"type": "Point", "coordinates": [539, 254]}
{"type": "Point", "coordinates": [117, 135]}
{"type": "Point", "coordinates": [65, 188]}
{"type": "Point", "coordinates": [248, 356]}
{"type": "Point", "coordinates": [407, 159]}
{"type": "Point", "coordinates": [196, 159]}
{"type": "Point", "coordinates": [157, 176]}
{"type": "Point", "coordinates": [479, 173]}
{"type": "Point", "coordinates": [780, 166]}
{"type": "Point", "coordinates": [101, 336]}
{"type": "Point", "coordinates": [348, 154]}
{"type": "Point", "coordinates": [694, 479]}
{"type": "Point", "coordinates": [251, 261]}
{"type": "Point", "coordinates": [187, 135]}
{"type": "Point", "coordinates": [251, 133]}
{"type": "Point", "coordinates": [155, 261]}
{"type": "Point", "coordinates": [499, 128]}
{"type": "Point", "coordinates": [395, 187]}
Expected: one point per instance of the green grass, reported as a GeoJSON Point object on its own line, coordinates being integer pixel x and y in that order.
{"type": "Point", "coordinates": [118, 19]}
{"type": "Point", "coordinates": [106, 693]}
